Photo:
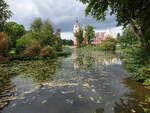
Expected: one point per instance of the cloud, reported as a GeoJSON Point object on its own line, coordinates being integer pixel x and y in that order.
{"type": "Point", "coordinates": [62, 13]}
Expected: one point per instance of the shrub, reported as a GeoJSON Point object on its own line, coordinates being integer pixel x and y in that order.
{"type": "Point", "coordinates": [63, 53]}
{"type": "Point", "coordinates": [144, 73]}
{"type": "Point", "coordinates": [108, 44]}
{"type": "Point", "coordinates": [24, 42]}
{"type": "Point", "coordinates": [147, 82]}
{"type": "Point", "coordinates": [4, 43]}
{"type": "Point", "coordinates": [136, 60]}
{"type": "Point", "coordinates": [47, 52]}
{"type": "Point", "coordinates": [33, 50]}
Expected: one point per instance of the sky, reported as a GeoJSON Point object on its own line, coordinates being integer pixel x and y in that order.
{"type": "Point", "coordinates": [62, 14]}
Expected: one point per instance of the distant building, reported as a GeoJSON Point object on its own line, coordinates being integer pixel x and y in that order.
{"type": "Point", "coordinates": [76, 28]}
{"type": "Point", "coordinates": [99, 36]}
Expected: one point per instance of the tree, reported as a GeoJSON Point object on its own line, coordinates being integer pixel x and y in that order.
{"type": "Point", "coordinates": [128, 12]}
{"type": "Point", "coordinates": [5, 14]}
{"type": "Point", "coordinates": [79, 36]}
{"type": "Point", "coordinates": [47, 33]}
{"type": "Point", "coordinates": [14, 31]}
{"type": "Point", "coordinates": [89, 33]}
{"type": "Point", "coordinates": [42, 31]}
{"type": "Point", "coordinates": [58, 41]}
{"type": "Point", "coordinates": [37, 24]}
{"type": "Point", "coordinates": [67, 42]}
{"type": "Point", "coordinates": [128, 39]}
{"type": "Point", "coordinates": [24, 42]}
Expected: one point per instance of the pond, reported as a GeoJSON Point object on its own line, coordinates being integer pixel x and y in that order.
{"type": "Point", "coordinates": [84, 82]}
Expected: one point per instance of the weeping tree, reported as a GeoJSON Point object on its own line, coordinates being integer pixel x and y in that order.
{"type": "Point", "coordinates": [128, 12]}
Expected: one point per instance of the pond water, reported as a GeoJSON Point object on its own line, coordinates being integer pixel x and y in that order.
{"type": "Point", "coordinates": [84, 82]}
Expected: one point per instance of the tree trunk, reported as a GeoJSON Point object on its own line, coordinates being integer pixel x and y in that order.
{"type": "Point", "coordinates": [137, 30]}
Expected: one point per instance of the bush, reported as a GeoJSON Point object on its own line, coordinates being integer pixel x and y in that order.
{"type": "Point", "coordinates": [63, 53]}
{"type": "Point", "coordinates": [144, 73]}
{"type": "Point", "coordinates": [147, 82]}
{"type": "Point", "coordinates": [47, 52]}
{"type": "Point", "coordinates": [4, 43]}
{"type": "Point", "coordinates": [24, 42]}
{"type": "Point", "coordinates": [108, 44]}
{"type": "Point", "coordinates": [136, 60]}
{"type": "Point", "coordinates": [33, 50]}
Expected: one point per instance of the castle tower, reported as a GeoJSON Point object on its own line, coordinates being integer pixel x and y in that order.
{"type": "Point", "coordinates": [76, 28]}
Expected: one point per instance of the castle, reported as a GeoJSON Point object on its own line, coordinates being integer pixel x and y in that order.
{"type": "Point", "coordinates": [99, 36]}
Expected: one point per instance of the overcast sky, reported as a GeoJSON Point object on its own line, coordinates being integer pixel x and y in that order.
{"type": "Point", "coordinates": [62, 13]}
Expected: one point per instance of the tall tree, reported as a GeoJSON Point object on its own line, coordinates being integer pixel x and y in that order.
{"type": "Point", "coordinates": [36, 24]}
{"type": "Point", "coordinates": [128, 12]}
{"type": "Point", "coordinates": [89, 33]}
{"type": "Point", "coordinates": [14, 31]}
{"type": "Point", "coordinates": [57, 40]}
{"type": "Point", "coordinates": [5, 14]}
{"type": "Point", "coordinates": [47, 33]}
{"type": "Point", "coordinates": [79, 36]}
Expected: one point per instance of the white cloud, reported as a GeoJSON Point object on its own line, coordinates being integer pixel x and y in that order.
{"type": "Point", "coordinates": [62, 13]}
{"type": "Point", "coordinates": [67, 35]}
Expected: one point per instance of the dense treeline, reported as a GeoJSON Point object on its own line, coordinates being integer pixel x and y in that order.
{"type": "Point", "coordinates": [67, 42]}
{"type": "Point", "coordinates": [40, 41]}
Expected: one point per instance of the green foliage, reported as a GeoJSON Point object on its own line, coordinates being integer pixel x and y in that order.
{"type": "Point", "coordinates": [47, 37]}
{"type": "Point", "coordinates": [147, 82]}
{"type": "Point", "coordinates": [24, 42]}
{"type": "Point", "coordinates": [14, 31]}
{"type": "Point", "coordinates": [67, 42]}
{"type": "Point", "coordinates": [127, 39]}
{"type": "Point", "coordinates": [108, 44]}
{"type": "Point", "coordinates": [135, 56]}
{"type": "Point", "coordinates": [63, 53]}
{"type": "Point", "coordinates": [37, 24]}
{"type": "Point", "coordinates": [58, 42]}
{"type": "Point", "coordinates": [45, 34]}
{"type": "Point", "coordinates": [5, 14]}
{"type": "Point", "coordinates": [79, 36]}
{"type": "Point", "coordinates": [39, 41]}
{"type": "Point", "coordinates": [128, 12]}
{"type": "Point", "coordinates": [89, 33]}
{"type": "Point", "coordinates": [143, 73]}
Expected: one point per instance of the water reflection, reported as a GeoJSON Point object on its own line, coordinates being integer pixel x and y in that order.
{"type": "Point", "coordinates": [138, 99]}
{"type": "Point", "coordinates": [85, 82]}
{"type": "Point", "coordinates": [18, 78]}
{"type": "Point", "coordinates": [88, 59]}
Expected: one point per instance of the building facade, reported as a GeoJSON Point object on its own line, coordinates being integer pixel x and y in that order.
{"type": "Point", "coordinates": [99, 36]}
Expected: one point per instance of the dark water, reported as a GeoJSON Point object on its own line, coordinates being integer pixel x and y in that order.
{"type": "Point", "coordinates": [85, 82]}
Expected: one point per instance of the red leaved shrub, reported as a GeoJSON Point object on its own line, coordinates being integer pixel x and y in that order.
{"type": "Point", "coordinates": [47, 52]}
{"type": "Point", "coordinates": [4, 43]}
{"type": "Point", "coordinates": [33, 50]}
